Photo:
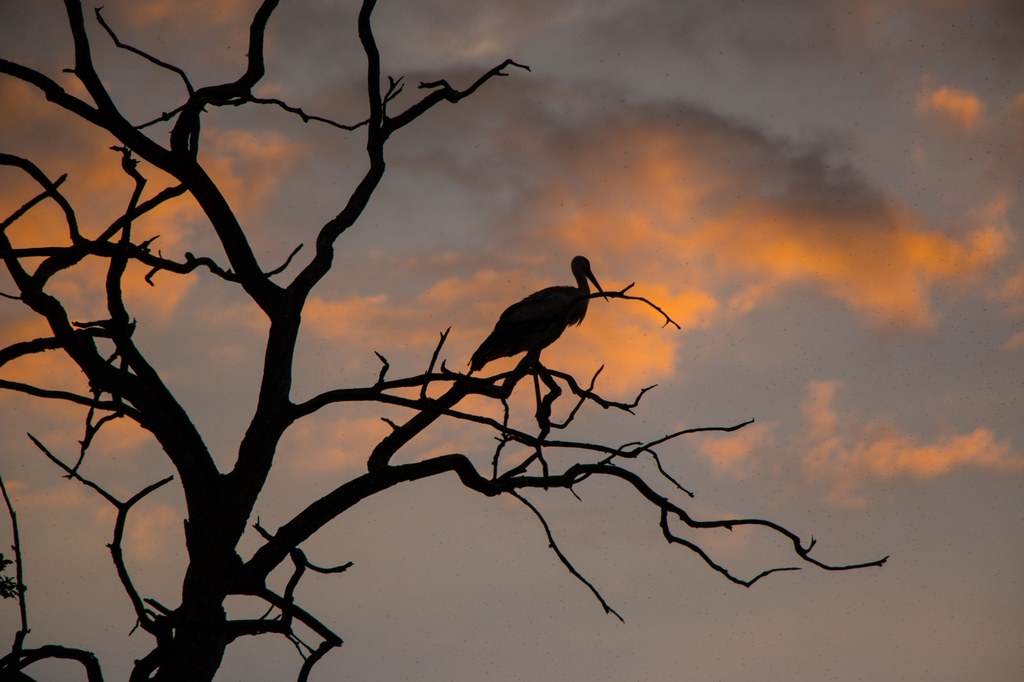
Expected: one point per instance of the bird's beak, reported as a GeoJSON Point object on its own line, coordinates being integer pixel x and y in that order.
{"type": "Point", "coordinates": [593, 279]}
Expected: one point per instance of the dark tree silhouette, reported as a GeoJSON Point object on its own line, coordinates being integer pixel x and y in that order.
{"type": "Point", "coordinates": [189, 638]}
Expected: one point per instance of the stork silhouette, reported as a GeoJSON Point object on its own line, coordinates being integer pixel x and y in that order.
{"type": "Point", "coordinates": [535, 322]}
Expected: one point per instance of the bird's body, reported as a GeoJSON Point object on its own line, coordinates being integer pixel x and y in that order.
{"type": "Point", "coordinates": [535, 322]}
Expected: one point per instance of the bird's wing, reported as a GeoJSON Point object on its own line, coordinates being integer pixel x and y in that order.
{"type": "Point", "coordinates": [543, 305]}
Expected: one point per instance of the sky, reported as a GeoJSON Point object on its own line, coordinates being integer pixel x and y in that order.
{"type": "Point", "coordinates": [825, 195]}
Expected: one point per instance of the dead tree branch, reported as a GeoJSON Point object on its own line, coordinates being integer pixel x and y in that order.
{"type": "Point", "coordinates": [15, 662]}
{"type": "Point", "coordinates": [623, 295]}
{"type": "Point", "coordinates": [441, 91]}
{"type": "Point", "coordinates": [19, 573]}
{"type": "Point", "coordinates": [141, 53]}
{"type": "Point", "coordinates": [561, 556]}
{"type": "Point", "coordinates": [147, 619]}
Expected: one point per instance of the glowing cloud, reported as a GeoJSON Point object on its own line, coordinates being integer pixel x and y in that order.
{"type": "Point", "coordinates": [1012, 292]}
{"type": "Point", "coordinates": [732, 454]}
{"type": "Point", "coordinates": [961, 108]}
{"type": "Point", "coordinates": [718, 208]}
{"type": "Point", "coordinates": [162, 12]}
{"type": "Point", "coordinates": [153, 532]}
{"type": "Point", "coordinates": [850, 457]}
{"type": "Point", "coordinates": [1015, 342]}
{"type": "Point", "coordinates": [248, 165]}
{"type": "Point", "coordinates": [884, 270]}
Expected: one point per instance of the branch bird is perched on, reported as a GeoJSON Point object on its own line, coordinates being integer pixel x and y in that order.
{"type": "Point", "coordinates": [539, 319]}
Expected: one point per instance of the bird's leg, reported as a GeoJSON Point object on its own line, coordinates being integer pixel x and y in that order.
{"type": "Point", "coordinates": [542, 419]}
{"type": "Point", "coordinates": [536, 393]}
{"type": "Point", "coordinates": [504, 439]}
{"type": "Point", "coordinates": [544, 405]}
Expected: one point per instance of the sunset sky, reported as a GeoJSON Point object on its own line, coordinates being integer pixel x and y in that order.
{"type": "Point", "coordinates": [825, 195]}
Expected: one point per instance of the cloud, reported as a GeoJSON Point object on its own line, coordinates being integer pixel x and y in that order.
{"type": "Point", "coordinates": [961, 108]}
{"type": "Point", "coordinates": [51, 369]}
{"type": "Point", "coordinates": [248, 165]}
{"type": "Point", "coordinates": [1017, 107]}
{"type": "Point", "coordinates": [733, 453]}
{"type": "Point", "coordinates": [329, 444]}
{"type": "Point", "coordinates": [849, 457]}
{"type": "Point", "coordinates": [153, 532]}
{"type": "Point", "coordinates": [381, 321]}
{"type": "Point", "coordinates": [987, 31]}
{"type": "Point", "coordinates": [682, 199]}
{"type": "Point", "coordinates": [188, 15]}
{"type": "Point", "coordinates": [1012, 292]}
{"type": "Point", "coordinates": [121, 436]}
{"type": "Point", "coordinates": [1010, 295]}
{"type": "Point", "coordinates": [885, 271]}
{"type": "Point", "coordinates": [322, 446]}
{"type": "Point", "coordinates": [486, 31]}
{"type": "Point", "coordinates": [1015, 342]}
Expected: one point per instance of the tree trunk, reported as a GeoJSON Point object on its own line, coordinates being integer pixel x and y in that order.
{"type": "Point", "coordinates": [194, 655]}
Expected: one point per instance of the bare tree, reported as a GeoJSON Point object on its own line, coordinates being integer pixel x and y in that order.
{"type": "Point", "coordinates": [190, 638]}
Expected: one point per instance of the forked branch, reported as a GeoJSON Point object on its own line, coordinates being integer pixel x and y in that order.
{"type": "Point", "coordinates": [623, 295]}
{"type": "Point", "coordinates": [147, 619]}
{"type": "Point", "coordinates": [441, 91]}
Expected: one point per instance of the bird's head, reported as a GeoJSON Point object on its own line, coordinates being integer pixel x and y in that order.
{"type": "Point", "coordinates": [581, 269]}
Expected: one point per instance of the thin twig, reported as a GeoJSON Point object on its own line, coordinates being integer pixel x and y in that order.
{"type": "Point", "coordinates": [19, 573]}
{"type": "Point", "coordinates": [668, 477]}
{"type": "Point", "coordinates": [622, 294]}
{"type": "Point", "coordinates": [306, 118]}
{"type": "Point", "coordinates": [145, 618]}
{"type": "Point", "coordinates": [284, 266]}
{"type": "Point", "coordinates": [699, 551]}
{"type": "Point", "coordinates": [145, 55]}
{"type": "Point", "coordinates": [561, 557]}
{"type": "Point", "coordinates": [433, 360]}
{"type": "Point", "coordinates": [384, 367]}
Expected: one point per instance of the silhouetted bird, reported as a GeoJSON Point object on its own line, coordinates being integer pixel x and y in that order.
{"type": "Point", "coordinates": [539, 319]}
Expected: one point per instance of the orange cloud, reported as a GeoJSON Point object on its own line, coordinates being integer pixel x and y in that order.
{"type": "Point", "coordinates": [629, 339]}
{"type": "Point", "coordinates": [1014, 342]}
{"type": "Point", "coordinates": [58, 144]}
{"type": "Point", "coordinates": [70, 496]}
{"type": "Point", "coordinates": [153, 532]}
{"type": "Point", "coordinates": [960, 108]}
{"type": "Point", "coordinates": [1012, 292]}
{"type": "Point", "coordinates": [885, 271]}
{"type": "Point", "coordinates": [892, 454]}
{"type": "Point", "coordinates": [51, 369]}
{"type": "Point", "coordinates": [734, 214]}
{"type": "Point", "coordinates": [317, 446]}
{"type": "Point", "coordinates": [147, 13]}
{"type": "Point", "coordinates": [121, 436]}
{"type": "Point", "coordinates": [329, 444]}
{"type": "Point", "coordinates": [848, 457]}
{"type": "Point", "coordinates": [377, 322]}
{"type": "Point", "coordinates": [247, 165]}
{"type": "Point", "coordinates": [157, 303]}
{"type": "Point", "coordinates": [732, 453]}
